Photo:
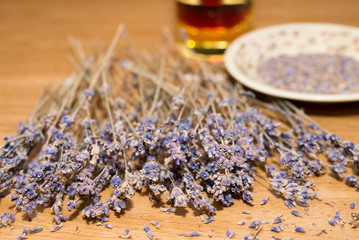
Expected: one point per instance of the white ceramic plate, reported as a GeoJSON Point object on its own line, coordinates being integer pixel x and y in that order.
{"type": "Point", "coordinates": [245, 53]}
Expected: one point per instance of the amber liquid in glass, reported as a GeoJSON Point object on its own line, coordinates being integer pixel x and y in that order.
{"type": "Point", "coordinates": [208, 26]}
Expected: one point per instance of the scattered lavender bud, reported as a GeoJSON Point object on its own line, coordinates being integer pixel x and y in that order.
{"type": "Point", "coordinates": [296, 213]}
{"type": "Point", "coordinates": [254, 224]}
{"type": "Point", "coordinates": [300, 229]}
{"type": "Point", "coordinates": [277, 220]}
{"type": "Point", "coordinates": [190, 234]}
{"type": "Point", "coordinates": [148, 231]}
{"type": "Point", "coordinates": [171, 210]}
{"type": "Point", "coordinates": [250, 238]}
{"type": "Point", "coordinates": [107, 225]}
{"type": "Point", "coordinates": [275, 229]}
{"type": "Point", "coordinates": [230, 233]}
{"type": "Point", "coordinates": [331, 222]}
{"type": "Point", "coordinates": [352, 205]}
{"type": "Point", "coordinates": [56, 228]}
{"type": "Point", "coordinates": [241, 223]}
{"type": "Point", "coordinates": [156, 224]}
{"type": "Point", "coordinates": [264, 201]}
{"type": "Point", "coordinates": [288, 204]}
{"type": "Point", "coordinates": [36, 229]}
{"type": "Point", "coordinates": [126, 234]}
{"type": "Point", "coordinates": [280, 226]}
{"type": "Point", "coordinates": [208, 220]}
{"type": "Point", "coordinates": [25, 232]}
{"type": "Point", "coordinates": [246, 212]}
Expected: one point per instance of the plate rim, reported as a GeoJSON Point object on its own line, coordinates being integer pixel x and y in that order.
{"type": "Point", "coordinates": [229, 55]}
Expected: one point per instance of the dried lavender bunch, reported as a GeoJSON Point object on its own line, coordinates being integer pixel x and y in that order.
{"type": "Point", "coordinates": [131, 121]}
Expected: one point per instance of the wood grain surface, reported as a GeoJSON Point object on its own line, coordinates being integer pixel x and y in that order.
{"type": "Point", "coordinates": [33, 55]}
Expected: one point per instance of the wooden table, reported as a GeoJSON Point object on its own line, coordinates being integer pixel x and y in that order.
{"type": "Point", "coordinates": [33, 54]}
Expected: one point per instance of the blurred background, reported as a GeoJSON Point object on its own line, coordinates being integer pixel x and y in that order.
{"type": "Point", "coordinates": [34, 46]}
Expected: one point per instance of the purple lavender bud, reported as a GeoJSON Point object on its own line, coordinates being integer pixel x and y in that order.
{"type": "Point", "coordinates": [331, 222]}
{"type": "Point", "coordinates": [172, 210]}
{"type": "Point", "coordinates": [36, 229]}
{"type": "Point", "coordinates": [352, 205]}
{"type": "Point", "coordinates": [156, 224]}
{"type": "Point", "coordinates": [241, 223]}
{"type": "Point", "coordinates": [107, 225]}
{"type": "Point", "coordinates": [208, 220]}
{"type": "Point", "coordinates": [230, 233]}
{"type": "Point", "coordinates": [56, 228]}
{"type": "Point", "coordinates": [145, 228]}
{"type": "Point", "coordinates": [288, 204]}
{"type": "Point", "coordinates": [300, 229]}
{"type": "Point", "coordinates": [296, 213]}
{"type": "Point", "coordinates": [264, 201]}
{"type": "Point", "coordinates": [280, 226]}
{"type": "Point", "coordinates": [277, 220]}
{"type": "Point", "coordinates": [275, 229]}
{"type": "Point", "coordinates": [25, 232]}
{"type": "Point", "coordinates": [190, 234]}
{"type": "Point", "coordinates": [246, 212]}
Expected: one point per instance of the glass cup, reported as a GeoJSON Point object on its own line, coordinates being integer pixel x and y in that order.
{"type": "Point", "coordinates": [206, 27]}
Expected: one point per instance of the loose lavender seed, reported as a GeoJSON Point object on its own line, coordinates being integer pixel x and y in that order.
{"type": "Point", "coordinates": [352, 205]}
